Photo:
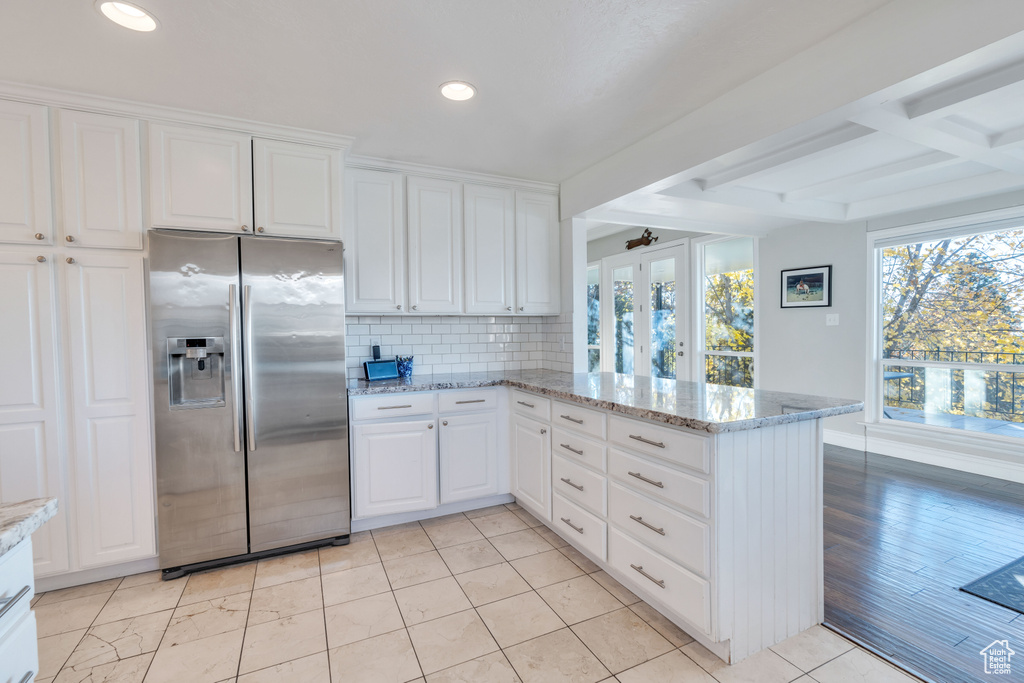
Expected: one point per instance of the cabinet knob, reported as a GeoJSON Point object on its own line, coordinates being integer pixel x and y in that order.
{"type": "Point", "coordinates": [543, 431]}
{"type": "Point", "coordinates": [445, 423]}
{"type": "Point", "coordinates": [415, 308]}
{"type": "Point", "coordinates": [508, 308]}
{"type": "Point", "coordinates": [430, 426]}
{"type": "Point", "coordinates": [40, 236]}
{"type": "Point", "coordinates": [245, 228]}
{"type": "Point", "coordinates": [70, 260]}
{"type": "Point", "coordinates": [41, 259]}
{"type": "Point", "coordinates": [70, 238]}
{"type": "Point", "coordinates": [522, 308]}
{"type": "Point", "coordinates": [259, 229]}
{"type": "Point", "coordinates": [399, 306]}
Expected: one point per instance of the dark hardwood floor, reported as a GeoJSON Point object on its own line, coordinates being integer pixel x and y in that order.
{"type": "Point", "coordinates": [900, 540]}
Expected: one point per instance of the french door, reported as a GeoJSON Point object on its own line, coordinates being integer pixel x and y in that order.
{"type": "Point", "coordinates": [644, 313]}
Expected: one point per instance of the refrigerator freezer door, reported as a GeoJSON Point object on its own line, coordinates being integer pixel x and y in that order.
{"type": "Point", "coordinates": [297, 404]}
{"type": "Point", "coordinates": [193, 289]}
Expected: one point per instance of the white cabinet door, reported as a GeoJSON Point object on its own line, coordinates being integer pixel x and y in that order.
{"type": "Point", "coordinates": [102, 186]}
{"type": "Point", "coordinates": [30, 455]}
{"type": "Point", "coordinates": [112, 460]}
{"type": "Point", "coordinates": [25, 213]}
{"type": "Point", "coordinates": [297, 189]}
{"type": "Point", "coordinates": [435, 245]}
{"type": "Point", "coordinates": [200, 179]}
{"type": "Point", "coordinates": [490, 249]}
{"type": "Point", "coordinates": [374, 242]}
{"type": "Point", "coordinates": [469, 456]}
{"type": "Point", "coordinates": [538, 279]}
{"type": "Point", "coordinates": [394, 467]}
{"type": "Point", "coordinates": [531, 465]}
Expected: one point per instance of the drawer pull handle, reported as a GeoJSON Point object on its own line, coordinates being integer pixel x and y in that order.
{"type": "Point", "coordinates": [637, 437]}
{"type": "Point", "coordinates": [649, 481]}
{"type": "Point", "coordinates": [9, 603]}
{"type": "Point", "coordinates": [393, 407]}
{"type": "Point", "coordinates": [640, 569]}
{"type": "Point", "coordinates": [575, 486]}
{"type": "Point", "coordinates": [577, 529]}
{"type": "Point", "coordinates": [570, 448]}
{"type": "Point", "coordinates": [640, 520]}
{"type": "Point", "coordinates": [524, 403]}
{"type": "Point", "coordinates": [27, 677]}
{"type": "Point", "coordinates": [571, 419]}
{"type": "Point", "coordinates": [475, 400]}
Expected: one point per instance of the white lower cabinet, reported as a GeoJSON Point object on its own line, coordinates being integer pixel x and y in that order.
{"type": "Point", "coordinates": [531, 465]}
{"type": "Point", "coordinates": [469, 456]}
{"type": "Point", "coordinates": [19, 660]}
{"type": "Point", "coordinates": [395, 467]}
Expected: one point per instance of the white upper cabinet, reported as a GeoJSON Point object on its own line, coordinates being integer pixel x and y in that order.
{"type": "Point", "coordinates": [110, 430]}
{"type": "Point", "coordinates": [297, 189]}
{"type": "Point", "coordinates": [490, 249]}
{"type": "Point", "coordinates": [374, 242]}
{"type": "Point", "coordinates": [435, 245]}
{"type": "Point", "coordinates": [30, 452]}
{"type": "Point", "coordinates": [26, 215]}
{"type": "Point", "coordinates": [200, 178]}
{"type": "Point", "coordinates": [538, 287]}
{"type": "Point", "coordinates": [101, 182]}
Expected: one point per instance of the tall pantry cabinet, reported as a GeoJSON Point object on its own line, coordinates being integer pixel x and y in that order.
{"type": "Point", "coordinates": [74, 404]}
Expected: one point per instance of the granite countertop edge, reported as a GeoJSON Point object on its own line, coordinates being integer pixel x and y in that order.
{"type": "Point", "coordinates": [19, 520]}
{"type": "Point", "coordinates": [430, 384]}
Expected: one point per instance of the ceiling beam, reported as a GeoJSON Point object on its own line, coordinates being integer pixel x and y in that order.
{"type": "Point", "coordinates": [896, 169]}
{"type": "Point", "coordinates": [944, 101]}
{"type": "Point", "coordinates": [639, 219]}
{"type": "Point", "coordinates": [933, 195]}
{"type": "Point", "coordinates": [763, 202]}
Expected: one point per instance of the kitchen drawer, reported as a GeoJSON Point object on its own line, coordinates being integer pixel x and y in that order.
{"type": "Point", "coordinates": [650, 574]}
{"type": "Point", "coordinates": [671, 533]}
{"type": "Point", "coordinates": [580, 485]}
{"type": "Point", "coordinates": [583, 529]}
{"type": "Point", "coordinates": [531, 405]}
{"type": "Point", "coordinates": [678, 488]}
{"type": "Point", "coordinates": [578, 448]}
{"type": "Point", "coordinates": [19, 651]}
{"type": "Point", "coordinates": [467, 401]}
{"type": "Point", "coordinates": [401, 404]}
{"type": "Point", "coordinates": [664, 442]}
{"type": "Point", "coordinates": [16, 584]}
{"type": "Point", "coordinates": [582, 420]}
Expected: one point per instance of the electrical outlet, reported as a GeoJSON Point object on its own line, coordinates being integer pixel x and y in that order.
{"type": "Point", "coordinates": [561, 342]}
{"type": "Point", "coordinates": [374, 341]}
{"type": "Point", "coordinates": [831, 319]}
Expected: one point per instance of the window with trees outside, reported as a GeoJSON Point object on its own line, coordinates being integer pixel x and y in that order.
{"type": "Point", "coordinates": [729, 312]}
{"type": "Point", "coordinates": [952, 328]}
{"type": "Point", "coordinates": [594, 318]}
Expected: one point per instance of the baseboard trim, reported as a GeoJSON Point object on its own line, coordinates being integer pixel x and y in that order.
{"type": "Point", "coordinates": [367, 523]}
{"type": "Point", "coordinates": [845, 439]}
{"type": "Point", "coordinates": [114, 571]}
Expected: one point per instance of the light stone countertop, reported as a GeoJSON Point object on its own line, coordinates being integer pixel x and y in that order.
{"type": "Point", "coordinates": [18, 520]}
{"type": "Point", "coordinates": [709, 408]}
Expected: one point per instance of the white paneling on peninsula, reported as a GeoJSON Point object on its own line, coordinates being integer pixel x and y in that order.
{"type": "Point", "coordinates": [705, 500]}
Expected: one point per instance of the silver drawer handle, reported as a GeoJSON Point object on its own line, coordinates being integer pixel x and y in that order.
{"type": "Point", "coordinates": [641, 439]}
{"type": "Point", "coordinates": [570, 448]}
{"type": "Point", "coordinates": [475, 400]}
{"type": "Point", "coordinates": [571, 419]}
{"type": "Point", "coordinates": [640, 569]}
{"type": "Point", "coordinates": [640, 520]}
{"type": "Point", "coordinates": [569, 482]}
{"type": "Point", "coordinates": [524, 403]}
{"type": "Point", "coordinates": [393, 407]}
{"type": "Point", "coordinates": [27, 677]}
{"type": "Point", "coordinates": [649, 481]}
{"type": "Point", "coordinates": [9, 603]}
{"type": "Point", "coordinates": [569, 522]}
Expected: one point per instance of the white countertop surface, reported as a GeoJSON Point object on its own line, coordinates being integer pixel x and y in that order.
{"type": "Point", "coordinates": [19, 520]}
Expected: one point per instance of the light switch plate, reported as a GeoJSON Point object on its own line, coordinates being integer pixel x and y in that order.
{"type": "Point", "coordinates": [831, 319]}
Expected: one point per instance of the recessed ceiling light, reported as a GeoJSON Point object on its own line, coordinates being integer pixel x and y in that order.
{"type": "Point", "coordinates": [457, 90]}
{"type": "Point", "coordinates": [127, 15]}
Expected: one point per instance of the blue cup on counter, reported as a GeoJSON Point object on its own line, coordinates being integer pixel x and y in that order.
{"type": "Point", "coordinates": [404, 365]}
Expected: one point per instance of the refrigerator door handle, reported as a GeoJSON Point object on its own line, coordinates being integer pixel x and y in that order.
{"type": "Point", "coordinates": [250, 417]}
{"type": "Point", "coordinates": [236, 375]}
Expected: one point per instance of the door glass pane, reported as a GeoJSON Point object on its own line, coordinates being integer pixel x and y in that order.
{"type": "Point", "coordinates": [622, 285]}
{"type": "Point", "coordinates": [594, 319]}
{"type": "Point", "coordinates": [663, 318]}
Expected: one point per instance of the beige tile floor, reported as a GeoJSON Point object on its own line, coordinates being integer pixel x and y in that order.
{"type": "Point", "coordinates": [490, 595]}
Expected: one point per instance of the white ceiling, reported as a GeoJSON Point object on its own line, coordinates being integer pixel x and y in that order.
{"type": "Point", "coordinates": [562, 83]}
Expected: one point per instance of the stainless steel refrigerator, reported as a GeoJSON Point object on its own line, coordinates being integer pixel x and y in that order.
{"type": "Point", "coordinates": [251, 416]}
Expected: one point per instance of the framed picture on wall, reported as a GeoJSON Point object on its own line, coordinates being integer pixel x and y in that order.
{"type": "Point", "coordinates": [807, 287]}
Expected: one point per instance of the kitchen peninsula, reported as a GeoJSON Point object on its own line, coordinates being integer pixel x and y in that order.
{"type": "Point", "coordinates": [705, 500]}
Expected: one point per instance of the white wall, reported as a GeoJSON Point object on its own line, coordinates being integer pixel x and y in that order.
{"type": "Point", "coordinates": [610, 245]}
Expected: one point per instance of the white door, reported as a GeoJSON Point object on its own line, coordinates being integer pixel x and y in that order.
{"type": "Point", "coordinates": [112, 470]}
{"type": "Point", "coordinates": [102, 185]}
{"type": "Point", "coordinates": [200, 179]}
{"type": "Point", "coordinates": [435, 245]}
{"type": "Point", "coordinates": [469, 456]}
{"type": "Point", "coordinates": [374, 242]}
{"type": "Point", "coordinates": [297, 189]}
{"type": "Point", "coordinates": [30, 454]}
{"type": "Point", "coordinates": [531, 465]}
{"type": "Point", "coordinates": [25, 213]}
{"type": "Point", "coordinates": [394, 467]}
{"type": "Point", "coordinates": [538, 280]}
{"type": "Point", "coordinates": [490, 249]}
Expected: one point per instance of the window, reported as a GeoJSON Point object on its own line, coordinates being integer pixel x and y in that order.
{"type": "Point", "coordinates": [952, 332]}
{"type": "Point", "coordinates": [594, 318]}
{"type": "Point", "coordinates": [729, 312]}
